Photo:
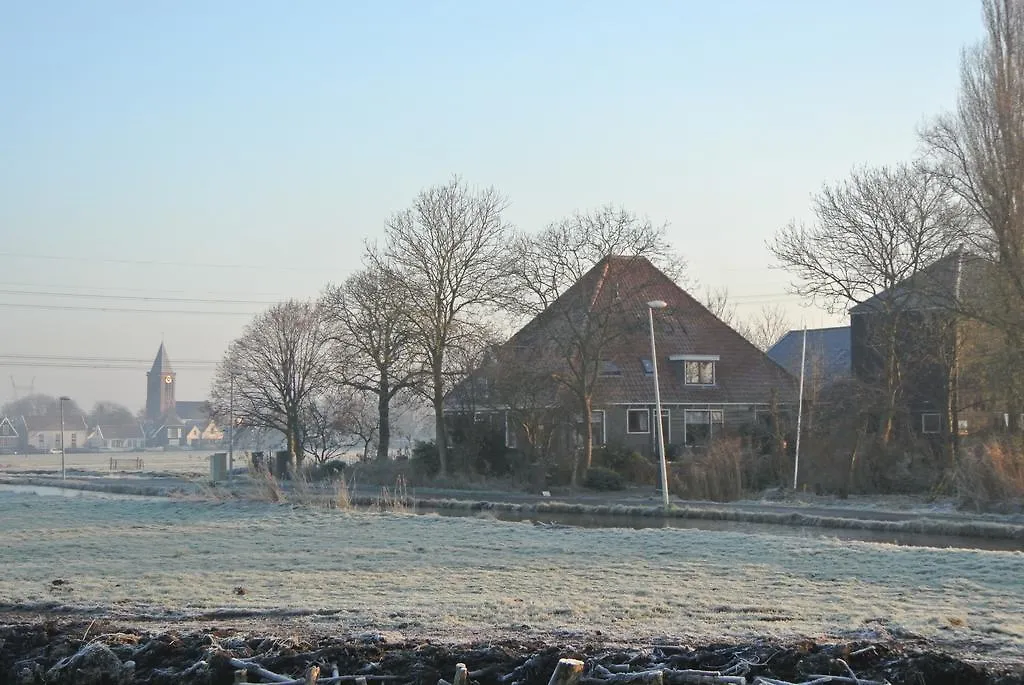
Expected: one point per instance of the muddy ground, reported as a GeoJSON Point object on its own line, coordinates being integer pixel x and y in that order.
{"type": "Point", "coordinates": [75, 651]}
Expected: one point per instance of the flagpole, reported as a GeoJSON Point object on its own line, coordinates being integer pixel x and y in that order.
{"type": "Point", "coordinates": [800, 408]}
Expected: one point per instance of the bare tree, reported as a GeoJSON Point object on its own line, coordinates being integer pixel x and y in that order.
{"type": "Point", "coordinates": [766, 327]}
{"type": "Point", "coordinates": [718, 303]}
{"type": "Point", "coordinates": [978, 151]}
{"type": "Point", "coordinates": [872, 232]}
{"type": "Point", "coordinates": [40, 405]}
{"type": "Point", "coordinates": [585, 327]}
{"type": "Point", "coordinates": [271, 373]}
{"type": "Point", "coordinates": [374, 340]}
{"type": "Point", "coordinates": [450, 253]}
{"type": "Point", "coordinates": [547, 264]}
{"type": "Point", "coordinates": [110, 414]}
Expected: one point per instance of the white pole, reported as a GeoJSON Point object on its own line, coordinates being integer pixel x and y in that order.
{"type": "Point", "coordinates": [800, 408]}
{"type": "Point", "coordinates": [231, 428]}
{"type": "Point", "coordinates": [63, 473]}
{"type": "Point", "coordinates": [657, 404]}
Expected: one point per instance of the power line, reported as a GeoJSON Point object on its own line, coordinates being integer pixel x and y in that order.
{"type": "Point", "coordinates": [123, 310]}
{"type": "Point", "coordinates": [144, 298]}
{"type": "Point", "coordinates": [154, 262]}
{"type": "Point", "coordinates": [14, 284]}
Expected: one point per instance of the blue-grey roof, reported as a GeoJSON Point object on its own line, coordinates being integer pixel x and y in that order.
{"type": "Point", "coordinates": [828, 352]}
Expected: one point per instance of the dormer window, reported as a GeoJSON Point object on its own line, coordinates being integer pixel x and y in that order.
{"type": "Point", "coordinates": [699, 373]}
{"type": "Point", "coordinates": [648, 367]}
{"type": "Point", "coordinates": [698, 369]}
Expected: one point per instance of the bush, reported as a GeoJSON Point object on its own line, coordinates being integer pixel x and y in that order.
{"type": "Point", "coordinates": [328, 470]}
{"type": "Point", "coordinates": [630, 464]}
{"type": "Point", "coordinates": [600, 478]}
{"type": "Point", "coordinates": [425, 459]}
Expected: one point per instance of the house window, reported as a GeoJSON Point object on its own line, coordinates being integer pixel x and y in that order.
{"type": "Point", "coordinates": [931, 422]}
{"type": "Point", "coordinates": [42, 440]}
{"type": "Point", "coordinates": [597, 426]}
{"type": "Point", "coordinates": [648, 367]}
{"type": "Point", "coordinates": [511, 439]}
{"type": "Point", "coordinates": [701, 425]}
{"type": "Point", "coordinates": [610, 369]}
{"type": "Point", "coordinates": [699, 372]}
{"type": "Point", "coordinates": [638, 421]}
{"type": "Point", "coordinates": [74, 440]}
{"type": "Point", "coordinates": [58, 440]}
{"type": "Point", "coordinates": [116, 443]}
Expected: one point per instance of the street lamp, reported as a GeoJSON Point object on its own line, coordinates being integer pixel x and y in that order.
{"type": "Point", "coordinates": [62, 399]}
{"type": "Point", "coordinates": [651, 306]}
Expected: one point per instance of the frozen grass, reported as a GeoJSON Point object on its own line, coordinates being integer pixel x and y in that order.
{"type": "Point", "coordinates": [155, 462]}
{"type": "Point", "coordinates": [469, 578]}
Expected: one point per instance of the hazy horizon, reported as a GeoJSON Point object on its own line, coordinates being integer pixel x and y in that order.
{"type": "Point", "coordinates": [168, 170]}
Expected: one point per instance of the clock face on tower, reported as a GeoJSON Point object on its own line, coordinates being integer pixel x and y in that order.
{"type": "Point", "coordinates": [167, 379]}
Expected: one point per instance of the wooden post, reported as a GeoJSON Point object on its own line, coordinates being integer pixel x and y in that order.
{"type": "Point", "coordinates": [567, 672]}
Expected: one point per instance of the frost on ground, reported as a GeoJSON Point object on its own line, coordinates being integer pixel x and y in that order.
{"type": "Point", "coordinates": [474, 578]}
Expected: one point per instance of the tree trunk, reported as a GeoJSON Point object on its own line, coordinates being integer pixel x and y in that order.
{"type": "Point", "coordinates": [383, 418]}
{"type": "Point", "coordinates": [891, 384]}
{"type": "Point", "coordinates": [588, 434]}
{"type": "Point", "coordinates": [440, 430]}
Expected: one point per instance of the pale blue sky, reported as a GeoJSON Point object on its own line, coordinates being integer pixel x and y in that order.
{"type": "Point", "coordinates": [276, 137]}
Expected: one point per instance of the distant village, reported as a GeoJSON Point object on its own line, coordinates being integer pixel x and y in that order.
{"type": "Point", "coordinates": [166, 423]}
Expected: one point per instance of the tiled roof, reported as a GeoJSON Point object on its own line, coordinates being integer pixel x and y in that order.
{"type": "Point", "coordinates": [127, 431]}
{"type": "Point", "coordinates": [828, 351]}
{"type": "Point", "coordinates": [941, 284]}
{"type": "Point", "coordinates": [52, 423]}
{"type": "Point", "coordinates": [162, 363]}
{"type": "Point", "coordinates": [192, 410]}
{"type": "Point", "coordinates": [744, 374]}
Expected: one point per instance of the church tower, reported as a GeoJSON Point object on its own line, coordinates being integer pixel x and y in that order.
{"type": "Point", "coordinates": [160, 386]}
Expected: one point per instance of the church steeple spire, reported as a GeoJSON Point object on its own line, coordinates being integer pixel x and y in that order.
{"type": "Point", "coordinates": [160, 381]}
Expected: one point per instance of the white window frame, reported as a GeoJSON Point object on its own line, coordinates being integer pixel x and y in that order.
{"type": "Point", "coordinates": [647, 412]}
{"type": "Point", "coordinates": [602, 424]}
{"type": "Point", "coordinates": [688, 358]}
{"type": "Point", "coordinates": [938, 419]}
{"type": "Point", "coordinates": [666, 414]}
{"type": "Point", "coordinates": [699, 371]}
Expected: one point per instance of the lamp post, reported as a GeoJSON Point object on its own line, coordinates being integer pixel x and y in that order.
{"type": "Point", "coordinates": [62, 399]}
{"type": "Point", "coordinates": [651, 306]}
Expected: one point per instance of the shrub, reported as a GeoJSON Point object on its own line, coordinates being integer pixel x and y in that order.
{"type": "Point", "coordinates": [600, 478]}
{"type": "Point", "coordinates": [630, 464]}
{"type": "Point", "coordinates": [425, 459]}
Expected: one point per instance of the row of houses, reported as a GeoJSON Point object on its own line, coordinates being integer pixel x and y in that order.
{"type": "Point", "coordinates": [712, 380]}
{"type": "Point", "coordinates": [44, 434]}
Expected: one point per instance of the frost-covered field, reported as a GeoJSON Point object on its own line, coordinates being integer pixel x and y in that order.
{"type": "Point", "coordinates": [176, 462]}
{"type": "Point", "coordinates": [466, 578]}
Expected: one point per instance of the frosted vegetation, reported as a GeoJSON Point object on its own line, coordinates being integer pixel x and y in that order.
{"type": "Point", "coordinates": [459, 578]}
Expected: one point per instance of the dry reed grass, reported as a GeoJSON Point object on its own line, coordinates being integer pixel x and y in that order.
{"type": "Point", "coordinates": [991, 472]}
{"type": "Point", "coordinates": [716, 474]}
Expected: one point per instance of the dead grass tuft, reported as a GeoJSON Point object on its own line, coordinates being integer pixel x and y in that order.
{"type": "Point", "coordinates": [991, 472]}
{"type": "Point", "coordinates": [396, 500]}
{"type": "Point", "coordinates": [716, 474]}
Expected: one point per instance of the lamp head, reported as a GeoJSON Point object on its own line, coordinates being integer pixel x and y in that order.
{"type": "Point", "coordinates": [64, 398]}
{"type": "Point", "coordinates": [657, 304]}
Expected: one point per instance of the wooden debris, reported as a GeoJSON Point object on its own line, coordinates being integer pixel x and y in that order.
{"type": "Point", "coordinates": [461, 675]}
{"type": "Point", "coordinates": [567, 672]}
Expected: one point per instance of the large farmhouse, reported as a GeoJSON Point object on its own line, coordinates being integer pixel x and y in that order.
{"type": "Point", "coordinates": [596, 336]}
